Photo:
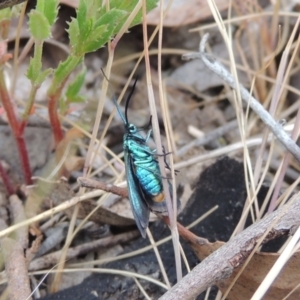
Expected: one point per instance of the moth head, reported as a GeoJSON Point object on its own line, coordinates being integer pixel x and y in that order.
{"type": "Point", "coordinates": [131, 128]}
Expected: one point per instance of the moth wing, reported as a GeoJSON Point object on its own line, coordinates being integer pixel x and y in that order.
{"type": "Point", "coordinates": [138, 205]}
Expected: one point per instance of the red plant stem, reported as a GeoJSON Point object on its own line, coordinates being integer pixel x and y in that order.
{"type": "Point", "coordinates": [15, 127]}
{"type": "Point", "coordinates": [53, 114]}
{"type": "Point", "coordinates": [5, 28]}
{"type": "Point", "coordinates": [22, 126]}
{"type": "Point", "coordinates": [24, 159]}
{"type": "Point", "coordinates": [54, 119]}
{"type": "Point", "coordinates": [9, 188]}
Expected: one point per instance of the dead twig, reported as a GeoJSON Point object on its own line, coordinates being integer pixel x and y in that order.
{"type": "Point", "coordinates": [213, 135]}
{"type": "Point", "coordinates": [14, 255]}
{"type": "Point", "coordinates": [110, 188]}
{"type": "Point", "coordinates": [16, 269]}
{"type": "Point", "coordinates": [18, 215]}
{"type": "Point", "coordinates": [52, 258]}
{"type": "Point", "coordinates": [220, 70]}
{"type": "Point", "coordinates": [49, 213]}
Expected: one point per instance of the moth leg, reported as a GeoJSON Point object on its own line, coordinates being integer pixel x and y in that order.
{"type": "Point", "coordinates": [148, 135]}
{"type": "Point", "coordinates": [165, 160]}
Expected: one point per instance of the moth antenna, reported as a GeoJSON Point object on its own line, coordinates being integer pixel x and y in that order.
{"type": "Point", "coordinates": [119, 111]}
{"type": "Point", "coordinates": [129, 97]}
{"type": "Point", "coordinates": [115, 100]}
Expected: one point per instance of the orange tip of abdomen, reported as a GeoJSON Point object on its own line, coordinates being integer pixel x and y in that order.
{"type": "Point", "coordinates": [159, 198]}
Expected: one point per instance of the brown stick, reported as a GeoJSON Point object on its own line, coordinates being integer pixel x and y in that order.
{"type": "Point", "coordinates": [52, 258]}
{"type": "Point", "coordinates": [16, 269]}
{"type": "Point", "coordinates": [14, 255]}
{"type": "Point", "coordinates": [110, 188]}
{"type": "Point", "coordinates": [9, 3]}
{"type": "Point", "coordinates": [18, 215]}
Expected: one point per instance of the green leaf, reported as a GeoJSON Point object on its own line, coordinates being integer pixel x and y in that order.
{"type": "Point", "coordinates": [73, 31]}
{"type": "Point", "coordinates": [86, 30]}
{"type": "Point", "coordinates": [88, 9]}
{"type": "Point", "coordinates": [111, 18]}
{"type": "Point", "coordinates": [81, 15]}
{"type": "Point", "coordinates": [60, 73]}
{"type": "Point", "coordinates": [85, 25]}
{"type": "Point", "coordinates": [103, 30]}
{"type": "Point", "coordinates": [75, 87]}
{"type": "Point", "coordinates": [63, 106]}
{"type": "Point", "coordinates": [75, 99]}
{"type": "Point", "coordinates": [51, 10]}
{"type": "Point", "coordinates": [63, 71]}
{"type": "Point", "coordinates": [5, 14]}
{"type": "Point", "coordinates": [95, 35]}
{"type": "Point", "coordinates": [128, 6]}
{"type": "Point", "coordinates": [94, 8]}
{"type": "Point", "coordinates": [42, 76]}
{"type": "Point", "coordinates": [40, 6]}
{"type": "Point", "coordinates": [94, 26]}
{"type": "Point", "coordinates": [101, 36]}
{"type": "Point", "coordinates": [33, 69]}
{"type": "Point", "coordinates": [38, 25]}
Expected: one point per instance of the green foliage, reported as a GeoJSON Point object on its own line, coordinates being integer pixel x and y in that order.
{"type": "Point", "coordinates": [72, 93]}
{"type": "Point", "coordinates": [39, 26]}
{"type": "Point", "coordinates": [49, 9]}
{"type": "Point", "coordinates": [34, 72]}
{"type": "Point", "coordinates": [128, 6]}
{"type": "Point", "coordinates": [42, 18]}
{"type": "Point", "coordinates": [63, 106]}
{"type": "Point", "coordinates": [94, 26]}
{"type": "Point", "coordinates": [63, 70]}
{"type": "Point", "coordinates": [42, 76]}
{"type": "Point", "coordinates": [103, 30]}
{"type": "Point", "coordinates": [40, 22]}
{"type": "Point", "coordinates": [5, 14]}
{"type": "Point", "coordinates": [33, 69]}
{"type": "Point", "coordinates": [88, 34]}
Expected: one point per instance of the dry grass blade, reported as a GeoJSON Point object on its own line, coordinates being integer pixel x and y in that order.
{"type": "Point", "coordinates": [289, 276]}
{"type": "Point", "coordinates": [157, 138]}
